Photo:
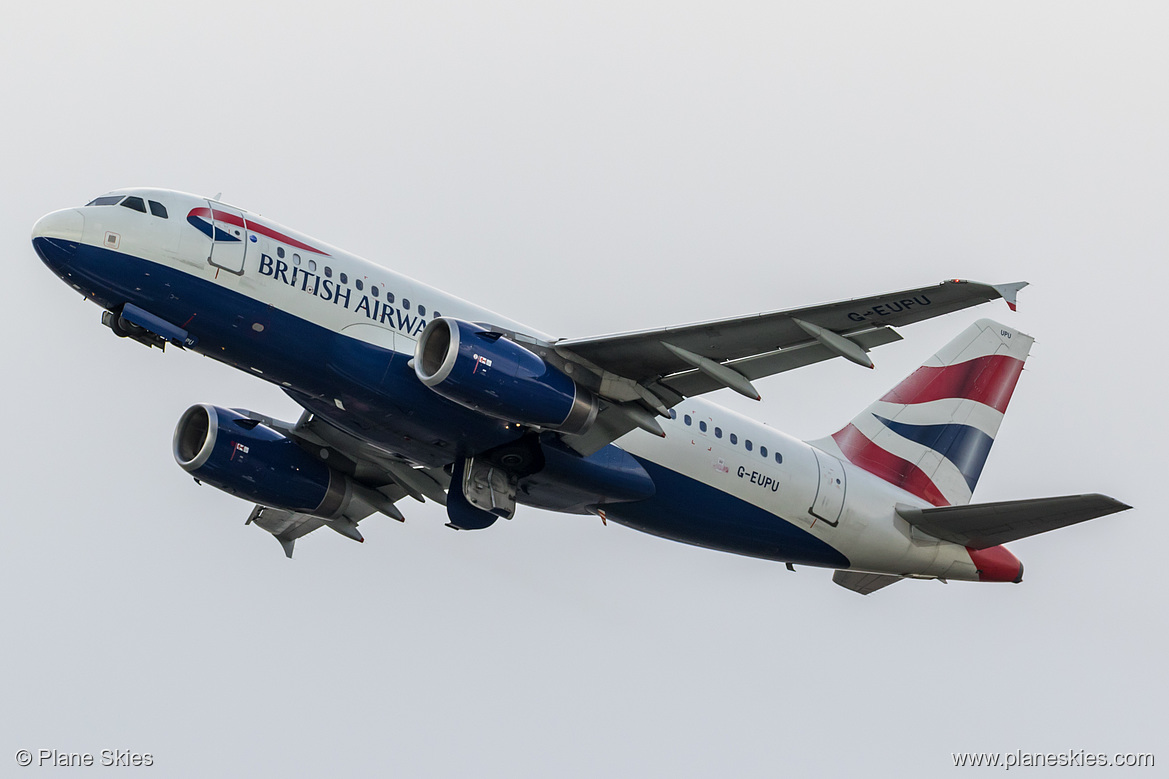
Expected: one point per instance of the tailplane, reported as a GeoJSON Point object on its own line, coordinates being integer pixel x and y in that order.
{"type": "Point", "coordinates": [930, 435]}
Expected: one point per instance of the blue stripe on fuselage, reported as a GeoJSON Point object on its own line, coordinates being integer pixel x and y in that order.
{"type": "Point", "coordinates": [684, 509]}
{"type": "Point", "coordinates": [206, 228]}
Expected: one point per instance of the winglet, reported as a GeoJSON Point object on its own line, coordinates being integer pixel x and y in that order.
{"type": "Point", "coordinates": [1009, 292]}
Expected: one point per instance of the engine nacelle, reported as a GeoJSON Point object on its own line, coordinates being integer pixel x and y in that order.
{"type": "Point", "coordinates": [489, 373]}
{"type": "Point", "coordinates": [244, 458]}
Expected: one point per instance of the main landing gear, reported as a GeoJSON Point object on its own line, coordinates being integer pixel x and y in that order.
{"type": "Point", "coordinates": [483, 487]}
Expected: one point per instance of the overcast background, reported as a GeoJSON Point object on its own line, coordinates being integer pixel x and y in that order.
{"type": "Point", "coordinates": [593, 169]}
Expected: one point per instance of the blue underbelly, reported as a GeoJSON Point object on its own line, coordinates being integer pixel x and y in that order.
{"type": "Point", "coordinates": [686, 510]}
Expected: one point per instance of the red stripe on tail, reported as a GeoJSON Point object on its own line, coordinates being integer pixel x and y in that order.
{"type": "Point", "coordinates": [989, 380]}
{"type": "Point", "coordinates": [901, 473]}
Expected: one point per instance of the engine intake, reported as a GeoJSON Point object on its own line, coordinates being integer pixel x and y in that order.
{"type": "Point", "coordinates": [494, 375]}
{"type": "Point", "coordinates": [238, 455]}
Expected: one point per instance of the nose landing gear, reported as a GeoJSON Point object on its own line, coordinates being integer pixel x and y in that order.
{"type": "Point", "coordinates": [124, 329]}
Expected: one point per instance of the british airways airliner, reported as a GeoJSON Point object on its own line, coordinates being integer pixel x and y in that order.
{"type": "Point", "coordinates": [407, 391]}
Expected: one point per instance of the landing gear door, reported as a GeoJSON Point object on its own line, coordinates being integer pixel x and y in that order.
{"type": "Point", "coordinates": [229, 242]}
{"type": "Point", "coordinates": [829, 502]}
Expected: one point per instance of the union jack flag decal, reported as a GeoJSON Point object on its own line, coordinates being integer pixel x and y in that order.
{"type": "Point", "coordinates": [931, 434]}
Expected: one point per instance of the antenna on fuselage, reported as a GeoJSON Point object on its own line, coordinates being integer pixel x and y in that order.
{"type": "Point", "coordinates": [218, 196]}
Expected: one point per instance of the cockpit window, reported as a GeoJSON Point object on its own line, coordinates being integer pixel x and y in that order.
{"type": "Point", "coordinates": [105, 200]}
{"type": "Point", "coordinates": [158, 209]}
{"type": "Point", "coordinates": [134, 203]}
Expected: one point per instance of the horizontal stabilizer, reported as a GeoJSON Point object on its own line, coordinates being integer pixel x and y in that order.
{"type": "Point", "coordinates": [864, 583]}
{"type": "Point", "coordinates": [983, 525]}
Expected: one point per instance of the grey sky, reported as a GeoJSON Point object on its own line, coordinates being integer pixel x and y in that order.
{"type": "Point", "coordinates": [590, 170]}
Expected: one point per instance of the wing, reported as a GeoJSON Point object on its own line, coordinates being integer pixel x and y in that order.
{"type": "Point", "coordinates": [655, 369]}
{"type": "Point", "coordinates": [377, 481]}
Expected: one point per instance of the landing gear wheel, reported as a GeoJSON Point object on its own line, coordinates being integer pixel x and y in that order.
{"type": "Point", "coordinates": [522, 458]}
{"type": "Point", "coordinates": [118, 326]}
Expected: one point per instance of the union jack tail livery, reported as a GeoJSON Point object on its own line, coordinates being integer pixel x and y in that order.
{"type": "Point", "coordinates": [930, 435]}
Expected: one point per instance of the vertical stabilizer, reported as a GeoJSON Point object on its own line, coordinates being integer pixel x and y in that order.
{"type": "Point", "coordinates": [930, 435]}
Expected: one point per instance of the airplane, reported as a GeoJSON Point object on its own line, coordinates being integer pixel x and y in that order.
{"type": "Point", "coordinates": [408, 391]}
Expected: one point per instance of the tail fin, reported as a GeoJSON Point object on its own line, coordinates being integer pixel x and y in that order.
{"type": "Point", "coordinates": [930, 434]}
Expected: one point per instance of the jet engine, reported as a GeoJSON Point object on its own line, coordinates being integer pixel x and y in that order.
{"type": "Point", "coordinates": [487, 372]}
{"type": "Point", "coordinates": [251, 461]}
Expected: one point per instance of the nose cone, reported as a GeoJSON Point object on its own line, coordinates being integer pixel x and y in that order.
{"type": "Point", "coordinates": [56, 236]}
{"type": "Point", "coordinates": [996, 564]}
{"type": "Point", "coordinates": [66, 225]}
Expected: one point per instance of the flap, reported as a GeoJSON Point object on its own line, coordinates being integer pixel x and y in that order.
{"type": "Point", "coordinates": [864, 583]}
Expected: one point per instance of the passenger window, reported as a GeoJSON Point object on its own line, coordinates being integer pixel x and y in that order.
{"type": "Point", "coordinates": [389, 297]}
{"type": "Point", "coordinates": [373, 289]}
{"type": "Point", "coordinates": [686, 419]}
{"type": "Point", "coordinates": [421, 310]}
{"type": "Point", "coordinates": [747, 444]}
{"type": "Point", "coordinates": [778, 457]}
{"type": "Point", "coordinates": [734, 438]}
{"type": "Point", "coordinates": [312, 266]}
{"type": "Point", "coordinates": [328, 272]}
{"type": "Point", "coordinates": [135, 203]}
{"type": "Point", "coordinates": [406, 303]}
{"type": "Point", "coordinates": [158, 209]}
{"type": "Point", "coordinates": [280, 252]}
{"type": "Point", "coordinates": [718, 432]}
{"type": "Point", "coordinates": [344, 279]}
{"type": "Point", "coordinates": [106, 200]}
{"type": "Point", "coordinates": [763, 451]}
{"type": "Point", "coordinates": [437, 315]}
{"type": "Point", "coordinates": [357, 283]}
{"type": "Point", "coordinates": [296, 259]}
{"type": "Point", "coordinates": [673, 414]}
